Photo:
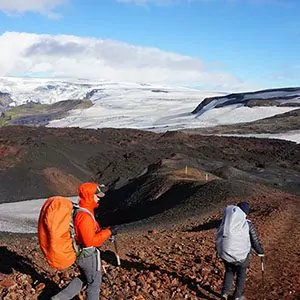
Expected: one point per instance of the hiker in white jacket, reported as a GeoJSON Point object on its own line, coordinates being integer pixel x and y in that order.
{"type": "Point", "coordinates": [235, 238]}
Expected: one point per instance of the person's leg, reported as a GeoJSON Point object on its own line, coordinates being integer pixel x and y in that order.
{"type": "Point", "coordinates": [91, 268]}
{"type": "Point", "coordinates": [70, 291]}
{"type": "Point", "coordinates": [93, 289]}
{"type": "Point", "coordinates": [241, 273]}
{"type": "Point", "coordinates": [228, 278]}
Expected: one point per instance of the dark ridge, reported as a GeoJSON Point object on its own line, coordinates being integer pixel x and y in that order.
{"type": "Point", "coordinates": [156, 196]}
{"type": "Point", "coordinates": [239, 97]}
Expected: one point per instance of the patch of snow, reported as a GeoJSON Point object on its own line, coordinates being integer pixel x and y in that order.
{"type": "Point", "coordinates": [293, 136]}
{"type": "Point", "coordinates": [22, 217]}
{"type": "Point", "coordinates": [159, 115]}
{"type": "Point", "coordinates": [238, 114]}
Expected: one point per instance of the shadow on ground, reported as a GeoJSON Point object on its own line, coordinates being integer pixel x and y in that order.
{"type": "Point", "coordinates": [10, 261]}
{"type": "Point", "coordinates": [212, 224]}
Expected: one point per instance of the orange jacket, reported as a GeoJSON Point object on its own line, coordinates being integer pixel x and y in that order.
{"type": "Point", "coordinates": [88, 231]}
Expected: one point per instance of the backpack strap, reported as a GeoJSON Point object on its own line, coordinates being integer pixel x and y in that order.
{"type": "Point", "coordinates": [76, 208]}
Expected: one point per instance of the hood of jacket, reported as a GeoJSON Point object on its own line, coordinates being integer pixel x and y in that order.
{"type": "Point", "coordinates": [86, 192]}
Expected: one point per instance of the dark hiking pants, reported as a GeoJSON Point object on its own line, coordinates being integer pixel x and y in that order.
{"type": "Point", "coordinates": [90, 277]}
{"type": "Point", "coordinates": [238, 269]}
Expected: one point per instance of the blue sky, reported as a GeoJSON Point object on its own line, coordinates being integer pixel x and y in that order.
{"type": "Point", "coordinates": [229, 44]}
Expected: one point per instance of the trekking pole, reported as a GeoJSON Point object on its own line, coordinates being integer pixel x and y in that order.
{"type": "Point", "coordinates": [262, 276]}
{"type": "Point", "coordinates": [113, 239]}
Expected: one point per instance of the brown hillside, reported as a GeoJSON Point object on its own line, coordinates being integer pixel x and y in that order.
{"type": "Point", "coordinates": [116, 155]}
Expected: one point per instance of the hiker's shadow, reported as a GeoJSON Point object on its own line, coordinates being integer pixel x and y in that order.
{"type": "Point", "coordinates": [109, 257]}
{"type": "Point", "coordinates": [212, 224]}
{"type": "Point", "coordinates": [10, 261]}
{"type": "Point", "coordinates": [193, 284]}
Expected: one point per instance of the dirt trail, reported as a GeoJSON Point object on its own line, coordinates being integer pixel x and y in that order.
{"type": "Point", "coordinates": [280, 232]}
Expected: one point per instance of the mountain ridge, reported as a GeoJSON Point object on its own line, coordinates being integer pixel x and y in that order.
{"type": "Point", "coordinates": [288, 95]}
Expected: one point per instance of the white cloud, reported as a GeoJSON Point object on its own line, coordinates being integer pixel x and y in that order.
{"type": "Point", "coordinates": [78, 57]}
{"type": "Point", "coordinates": [39, 6]}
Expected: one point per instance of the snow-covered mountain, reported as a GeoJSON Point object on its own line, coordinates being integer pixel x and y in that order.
{"type": "Point", "coordinates": [147, 106]}
{"type": "Point", "coordinates": [50, 90]}
{"type": "Point", "coordinates": [163, 109]}
{"type": "Point", "coordinates": [116, 104]}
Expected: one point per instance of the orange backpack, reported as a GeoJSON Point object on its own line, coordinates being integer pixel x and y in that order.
{"type": "Point", "coordinates": [56, 232]}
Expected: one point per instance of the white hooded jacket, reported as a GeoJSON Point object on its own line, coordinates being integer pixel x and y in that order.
{"type": "Point", "coordinates": [232, 238]}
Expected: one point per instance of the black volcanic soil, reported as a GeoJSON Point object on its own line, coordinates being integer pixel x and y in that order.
{"type": "Point", "coordinates": [167, 193]}
{"type": "Point", "coordinates": [35, 161]}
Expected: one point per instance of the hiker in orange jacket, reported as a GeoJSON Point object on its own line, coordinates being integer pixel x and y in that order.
{"type": "Point", "coordinates": [88, 236]}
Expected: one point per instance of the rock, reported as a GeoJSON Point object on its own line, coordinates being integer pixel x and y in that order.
{"type": "Point", "coordinates": [132, 283]}
{"type": "Point", "coordinates": [8, 283]}
{"type": "Point", "coordinates": [40, 287]}
{"type": "Point", "coordinates": [155, 294]}
{"type": "Point", "coordinates": [2, 276]}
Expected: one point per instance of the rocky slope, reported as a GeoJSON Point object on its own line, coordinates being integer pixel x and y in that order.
{"type": "Point", "coordinates": [169, 262]}
{"type": "Point", "coordinates": [167, 193]}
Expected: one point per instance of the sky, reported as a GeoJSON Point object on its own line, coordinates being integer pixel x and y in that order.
{"type": "Point", "coordinates": [218, 45]}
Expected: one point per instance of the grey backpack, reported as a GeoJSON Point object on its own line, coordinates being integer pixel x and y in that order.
{"type": "Point", "coordinates": [232, 238]}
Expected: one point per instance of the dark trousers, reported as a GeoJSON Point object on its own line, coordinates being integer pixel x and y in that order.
{"type": "Point", "coordinates": [238, 269]}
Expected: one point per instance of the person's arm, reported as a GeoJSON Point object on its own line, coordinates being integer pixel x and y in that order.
{"type": "Point", "coordinates": [255, 241]}
{"type": "Point", "coordinates": [86, 230]}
